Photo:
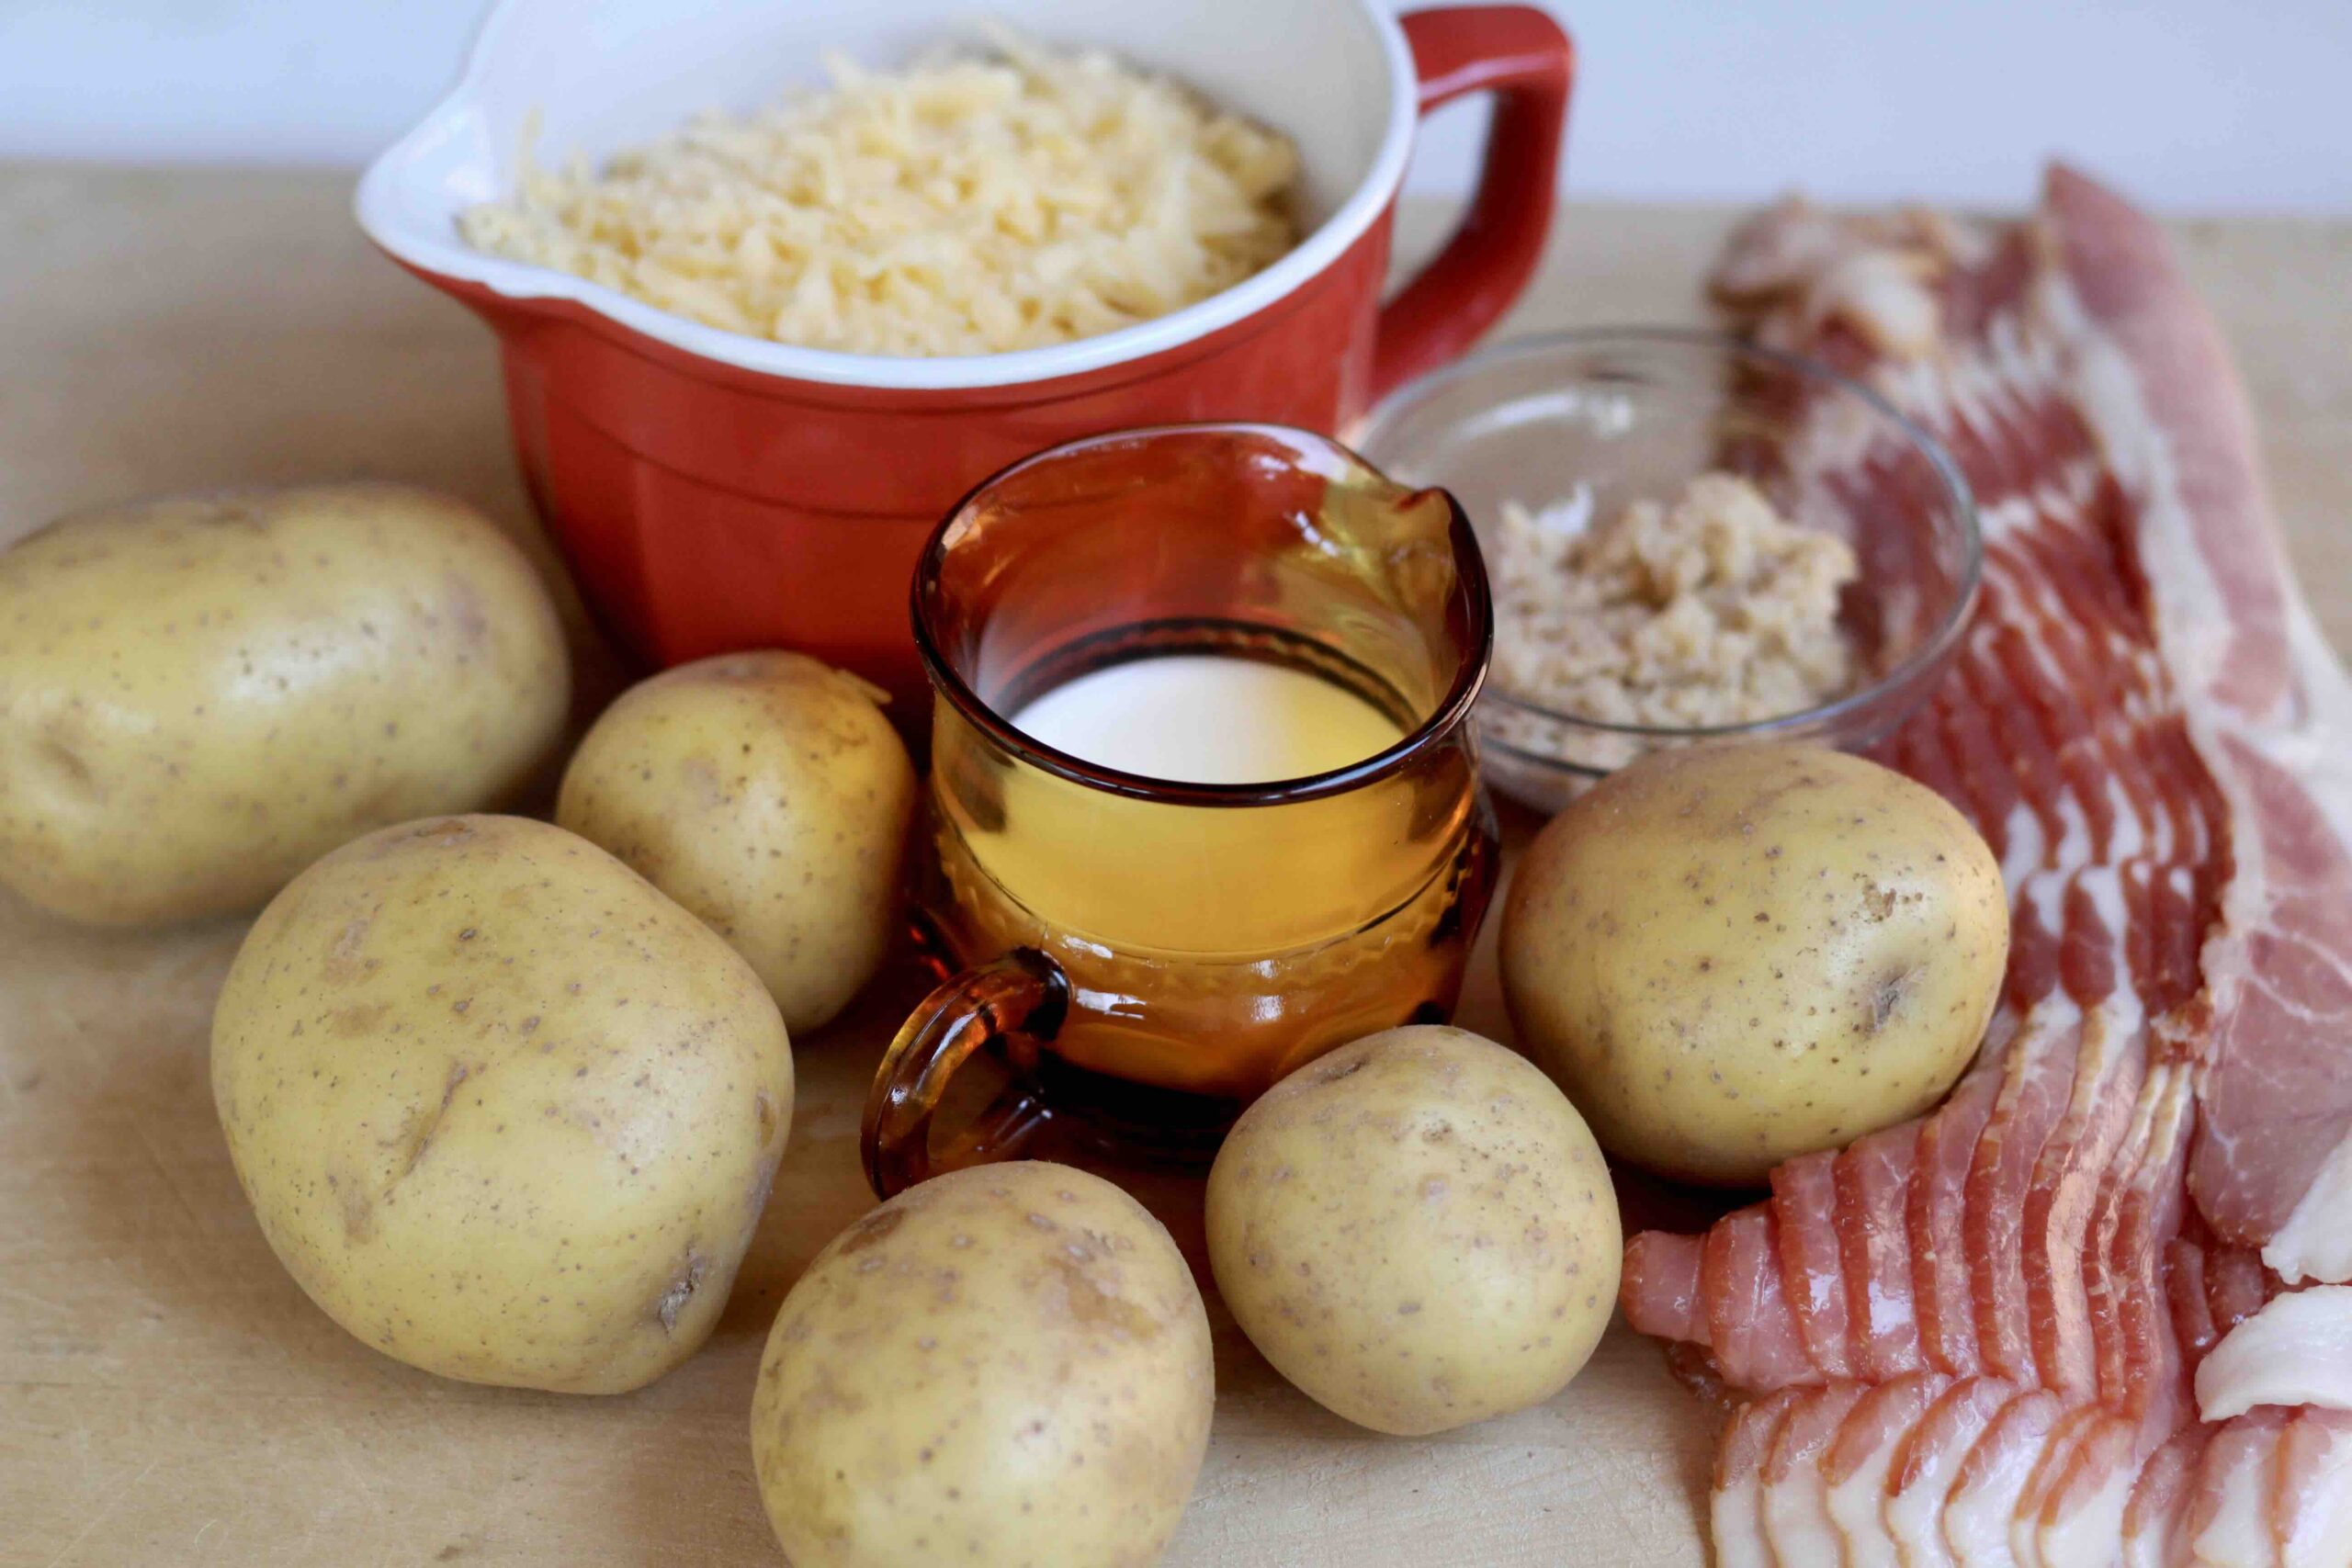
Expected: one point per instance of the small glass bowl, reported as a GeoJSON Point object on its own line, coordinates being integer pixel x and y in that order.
{"type": "Point", "coordinates": [1614, 416]}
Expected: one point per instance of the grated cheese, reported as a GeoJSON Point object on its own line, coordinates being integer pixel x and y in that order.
{"type": "Point", "coordinates": [965, 205]}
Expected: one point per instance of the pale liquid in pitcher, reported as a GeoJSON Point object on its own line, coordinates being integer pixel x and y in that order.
{"type": "Point", "coordinates": [1213, 946]}
{"type": "Point", "coordinates": [1177, 877]}
{"type": "Point", "coordinates": [1209, 718]}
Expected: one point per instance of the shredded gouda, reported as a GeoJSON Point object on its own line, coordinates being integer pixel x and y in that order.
{"type": "Point", "coordinates": [964, 205]}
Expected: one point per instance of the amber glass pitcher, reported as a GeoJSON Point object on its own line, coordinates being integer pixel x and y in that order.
{"type": "Point", "coordinates": [1136, 958]}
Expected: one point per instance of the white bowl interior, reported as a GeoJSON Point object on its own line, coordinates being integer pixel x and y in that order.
{"type": "Point", "coordinates": [597, 76]}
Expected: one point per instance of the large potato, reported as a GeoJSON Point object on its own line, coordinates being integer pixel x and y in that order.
{"type": "Point", "coordinates": [200, 696]}
{"type": "Point", "coordinates": [1730, 955]}
{"type": "Point", "coordinates": [502, 1109]}
{"type": "Point", "coordinates": [1003, 1365]}
{"type": "Point", "coordinates": [767, 794]}
{"type": "Point", "coordinates": [1418, 1230]}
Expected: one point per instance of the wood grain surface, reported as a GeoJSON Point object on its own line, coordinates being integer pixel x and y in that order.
{"type": "Point", "coordinates": [168, 1397]}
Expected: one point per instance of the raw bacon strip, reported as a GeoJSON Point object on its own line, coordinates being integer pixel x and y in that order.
{"type": "Point", "coordinates": [2231, 1511]}
{"type": "Point", "coordinates": [2058, 1204]}
{"type": "Point", "coordinates": [1922, 1481]}
{"type": "Point", "coordinates": [2034, 1093]}
{"type": "Point", "coordinates": [1860, 1464]}
{"type": "Point", "coordinates": [1671, 1268]}
{"type": "Point", "coordinates": [1984, 1495]}
{"type": "Point", "coordinates": [1736, 1504]}
{"type": "Point", "coordinates": [1754, 1334]}
{"type": "Point", "coordinates": [1942, 1293]}
{"type": "Point", "coordinates": [2192, 1306]}
{"type": "Point", "coordinates": [1873, 1180]}
{"type": "Point", "coordinates": [2051, 1466]}
{"type": "Point", "coordinates": [2120, 268]}
{"type": "Point", "coordinates": [1797, 1525]}
{"type": "Point", "coordinates": [1804, 1203]}
{"type": "Point", "coordinates": [2297, 1349]}
{"type": "Point", "coordinates": [2081, 1516]}
{"type": "Point", "coordinates": [2314, 1504]}
{"type": "Point", "coordinates": [2148, 1215]}
{"type": "Point", "coordinates": [2275, 1164]}
{"type": "Point", "coordinates": [2154, 1211]}
{"type": "Point", "coordinates": [2156, 1522]}
{"type": "Point", "coordinates": [1989, 793]}
{"type": "Point", "coordinates": [2110, 1267]}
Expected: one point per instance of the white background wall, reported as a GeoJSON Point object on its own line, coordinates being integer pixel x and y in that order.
{"type": "Point", "coordinates": [2195, 104]}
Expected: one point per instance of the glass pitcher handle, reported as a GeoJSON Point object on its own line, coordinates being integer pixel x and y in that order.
{"type": "Point", "coordinates": [1018, 1000]}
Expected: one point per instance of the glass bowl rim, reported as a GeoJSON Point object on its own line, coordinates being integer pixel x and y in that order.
{"type": "Point", "coordinates": [1932, 650]}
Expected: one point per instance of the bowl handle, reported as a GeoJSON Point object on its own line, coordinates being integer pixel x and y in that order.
{"type": "Point", "coordinates": [1523, 58]}
{"type": "Point", "coordinates": [1016, 1003]}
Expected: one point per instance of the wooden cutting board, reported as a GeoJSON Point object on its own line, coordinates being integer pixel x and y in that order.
{"type": "Point", "coordinates": [168, 1397]}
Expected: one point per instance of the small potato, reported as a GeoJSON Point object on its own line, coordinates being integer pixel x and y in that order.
{"type": "Point", "coordinates": [200, 696]}
{"type": "Point", "coordinates": [503, 1110]}
{"type": "Point", "coordinates": [1730, 955]}
{"type": "Point", "coordinates": [1005, 1366]}
{"type": "Point", "coordinates": [1417, 1230]}
{"type": "Point", "coordinates": [766, 793]}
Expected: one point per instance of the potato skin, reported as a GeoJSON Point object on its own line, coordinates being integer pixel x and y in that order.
{"type": "Point", "coordinates": [1731, 955]}
{"type": "Point", "coordinates": [1006, 1365]}
{"type": "Point", "coordinates": [1418, 1230]}
{"type": "Point", "coordinates": [766, 793]}
{"type": "Point", "coordinates": [502, 1109]}
{"type": "Point", "coordinates": [200, 695]}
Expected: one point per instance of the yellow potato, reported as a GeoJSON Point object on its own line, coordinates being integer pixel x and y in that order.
{"type": "Point", "coordinates": [766, 793]}
{"type": "Point", "coordinates": [199, 696]}
{"type": "Point", "coordinates": [1730, 955]}
{"type": "Point", "coordinates": [1003, 1365]}
{"type": "Point", "coordinates": [1418, 1230]}
{"type": "Point", "coordinates": [502, 1109]}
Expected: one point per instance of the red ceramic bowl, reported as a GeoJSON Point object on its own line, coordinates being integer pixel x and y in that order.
{"type": "Point", "coordinates": [715, 492]}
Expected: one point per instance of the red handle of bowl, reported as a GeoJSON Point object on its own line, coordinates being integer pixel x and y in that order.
{"type": "Point", "coordinates": [1525, 60]}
